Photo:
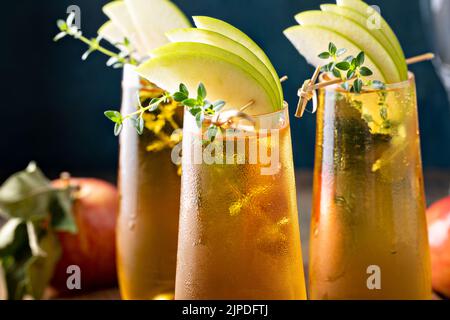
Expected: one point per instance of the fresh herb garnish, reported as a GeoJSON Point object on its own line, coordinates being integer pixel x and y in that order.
{"type": "Point", "coordinates": [199, 107]}
{"type": "Point", "coordinates": [116, 60]}
{"type": "Point", "coordinates": [349, 69]}
{"type": "Point", "coordinates": [144, 116]}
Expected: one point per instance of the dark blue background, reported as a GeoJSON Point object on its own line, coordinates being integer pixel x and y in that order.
{"type": "Point", "coordinates": [52, 103]}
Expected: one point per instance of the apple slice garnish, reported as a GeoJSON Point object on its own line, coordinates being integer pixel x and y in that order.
{"type": "Point", "coordinates": [356, 34]}
{"type": "Point", "coordinates": [226, 76]}
{"type": "Point", "coordinates": [221, 41]}
{"type": "Point", "coordinates": [237, 35]}
{"type": "Point", "coordinates": [117, 12]}
{"type": "Point", "coordinates": [111, 33]}
{"type": "Point", "coordinates": [363, 22]}
{"type": "Point", "coordinates": [370, 13]}
{"type": "Point", "coordinates": [311, 40]}
{"type": "Point", "coordinates": [153, 18]}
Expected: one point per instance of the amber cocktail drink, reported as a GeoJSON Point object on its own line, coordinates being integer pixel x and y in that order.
{"type": "Point", "coordinates": [147, 226]}
{"type": "Point", "coordinates": [239, 234]}
{"type": "Point", "coordinates": [368, 233]}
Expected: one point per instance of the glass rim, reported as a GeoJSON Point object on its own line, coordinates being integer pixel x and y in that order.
{"type": "Point", "coordinates": [390, 86]}
{"type": "Point", "coordinates": [266, 121]}
{"type": "Point", "coordinates": [263, 115]}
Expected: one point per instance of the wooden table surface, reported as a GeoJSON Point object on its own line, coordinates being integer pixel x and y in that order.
{"type": "Point", "coordinates": [437, 183]}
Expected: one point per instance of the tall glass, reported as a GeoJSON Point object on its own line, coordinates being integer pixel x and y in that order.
{"type": "Point", "coordinates": [147, 228]}
{"type": "Point", "coordinates": [239, 235]}
{"type": "Point", "coordinates": [368, 232]}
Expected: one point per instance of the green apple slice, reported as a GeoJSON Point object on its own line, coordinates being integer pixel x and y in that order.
{"type": "Point", "coordinates": [226, 76]}
{"type": "Point", "coordinates": [206, 49]}
{"type": "Point", "coordinates": [221, 41]}
{"type": "Point", "coordinates": [368, 12]}
{"type": "Point", "coordinates": [377, 33]}
{"type": "Point", "coordinates": [117, 12]}
{"type": "Point", "coordinates": [356, 34]}
{"type": "Point", "coordinates": [237, 35]}
{"type": "Point", "coordinates": [111, 33]}
{"type": "Point", "coordinates": [309, 40]}
{"type": "Point", "coordinates": [153, 18]}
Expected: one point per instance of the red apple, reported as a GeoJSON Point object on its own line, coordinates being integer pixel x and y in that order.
{"type": "Point", "coordinates": [438, 216]}
{"type": "Point", "coordinates": [93, 247]}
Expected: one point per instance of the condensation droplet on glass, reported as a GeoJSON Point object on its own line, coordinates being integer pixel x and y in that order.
{"type": "Point", "coordinates": [197, 242]}
{"type": "Point", "coordinates": [131, 224]}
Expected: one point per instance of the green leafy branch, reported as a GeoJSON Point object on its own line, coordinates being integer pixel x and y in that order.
{"type": "Point", "coordinates": [199, 107]}
{"type": "Point", "coordinates": [349, 69]}
{"type": "Point", "coordinates": [116, 60]}
{"type": "Point", "coordinates": [34, 210]}
{"type": "Point", "coordinates": [137, 117]}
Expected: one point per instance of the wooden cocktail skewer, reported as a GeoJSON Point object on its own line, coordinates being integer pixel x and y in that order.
{"type": "Point", "coordinates": [248, 104]}
{"type": "Point", "coordinates": [421, 58]}
{"type": "Point", "coordinates": [226, 117]}
{"type": "Point", "coordinates": [240, 113]}
{"type": "Point", "coordinates": [306, 92]}
{"type": "Point", "coordinates": [413, 60]}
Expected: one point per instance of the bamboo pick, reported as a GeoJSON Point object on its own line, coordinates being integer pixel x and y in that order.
{"type": "Point", "coordinates": [420, 58]}
{"type": "Point", "coordinates": [218, 121]}
{"type": "Point", "coordinates": [305, 92]}
{"type": "Point", "coordinates": [248, 104]}
{"type": "Point", "coordinates": [321, 85]}
{"type": "Point", "coordinates": [413, 60]}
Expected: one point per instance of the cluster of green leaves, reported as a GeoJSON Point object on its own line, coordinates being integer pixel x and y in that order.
{"type": "Point", "coordinates": [199, 107]}
{"type": "Point", "coordinates": [116, 60]}
{"type": "Point", "coordinates": [137, 117]}
{"type": "Point", "coordinates": [348, 69]}
{"type": "Point", "coordinates": [29, 248]}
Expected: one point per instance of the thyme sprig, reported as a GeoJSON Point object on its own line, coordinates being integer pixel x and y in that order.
{"type": "Point", "coordinates": [144, 116]}
{"type": "Point", "coordinates": [116, 60]}
{"type": "Point", "coordinates": [137, 117]}
{"type": "Point", "coordinates": [199, 107]}
{"type": "Point", "coordinates": [349, 69]}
